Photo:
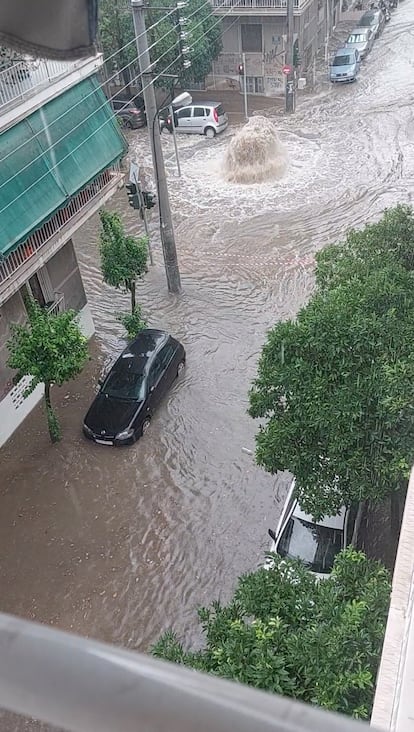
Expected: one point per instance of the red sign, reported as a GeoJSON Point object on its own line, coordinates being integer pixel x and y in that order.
{"type": "Point", "coordinates": [287, 70]}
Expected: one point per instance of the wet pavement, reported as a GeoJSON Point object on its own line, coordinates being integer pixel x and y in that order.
{"type": "Point", "coordinates": [122, 544]}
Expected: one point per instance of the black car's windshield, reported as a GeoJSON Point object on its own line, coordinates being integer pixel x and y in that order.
{"type": "Point", "coordinates": [126, 380]}
{"type": "Point", "coordinates": [315, 545]}
{"type": "Point", "coordinates": [342, 61]}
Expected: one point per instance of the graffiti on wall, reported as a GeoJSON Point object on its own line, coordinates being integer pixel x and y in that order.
{"type": "Point", "coordinates": [273, 58]}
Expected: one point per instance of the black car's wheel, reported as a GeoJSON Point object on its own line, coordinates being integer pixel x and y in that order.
{"type": "Point", "coordinates": [180, 368]}
{"type": "Point", "coordinates": [146, 423]}
{"type": "Point", "coordinates": [128, 124]}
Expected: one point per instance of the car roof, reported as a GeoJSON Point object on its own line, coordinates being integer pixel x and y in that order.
{"type": "Point", "coordinates": [148, 341]}
{"type": "Point", "coordinates": [205, 104]}
{"type": "Point", "coordinates": [370, 14]}
{"type": "Point", "coordinates": [343, 52]}
{"type": "Point", "coordinates": [357, 31]}
{"type": "Point", "coordinates": [333, 522]}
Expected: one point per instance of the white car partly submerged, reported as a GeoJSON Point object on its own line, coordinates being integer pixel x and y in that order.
{"type": "Point", "coordinates": [315, 543]}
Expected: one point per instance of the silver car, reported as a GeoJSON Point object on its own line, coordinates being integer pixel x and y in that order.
{"type": "Point", "coordinates": [362, 39]}
{"type": "Point", "coordinates": [204, 118]}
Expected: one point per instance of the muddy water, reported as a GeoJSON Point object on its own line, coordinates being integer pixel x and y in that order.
{"type": "Point", "coordinates": [120, 544]}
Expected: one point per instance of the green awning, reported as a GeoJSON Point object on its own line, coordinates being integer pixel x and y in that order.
{"type": "Point", "coordinates": [51, 155]}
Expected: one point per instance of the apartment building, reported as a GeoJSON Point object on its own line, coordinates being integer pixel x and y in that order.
{"type": "Point", "coordinates": [258, 28]}
{"type": "Point", "coordinates": [60, 148]}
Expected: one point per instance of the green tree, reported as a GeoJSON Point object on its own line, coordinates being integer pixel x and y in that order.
{"type": "Point", "coordinates": [335, 388]}
{"type": "Point", "coordinates": [116, 30]}
{"type": "Point", "coordinates": [286, 632]}
{"type": "Point", "coordinates": [204, 39]}
{"type": "Point", "coordinates": [49, 348]}
{"type": "Point", "coordinates": [132, 322]}
{"type": "Point", "coordinates": [123, 257]}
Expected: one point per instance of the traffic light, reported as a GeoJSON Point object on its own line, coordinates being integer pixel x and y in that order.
{"type": "Point", "coordinates": [149, 199]}
{"type": "Point", "coordinates": [133, 196]}
{"type": "Point", "coordinates": [296, 55]}
{"type": "Point", "coordinates": [241, 70]}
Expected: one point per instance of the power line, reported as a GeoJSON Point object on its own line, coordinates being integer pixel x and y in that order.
{"type": "Point", "coordinates": [78, 146]}
{"type": "Point", "coordinates": [107, 81]}
{"type": "Point", "coordinates": [19, 172]}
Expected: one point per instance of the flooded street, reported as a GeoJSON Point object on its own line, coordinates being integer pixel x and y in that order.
{"type": "Point", "coordinates": [122, 544]}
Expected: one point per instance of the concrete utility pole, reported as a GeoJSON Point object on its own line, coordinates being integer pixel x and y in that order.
{"type": "Point", "coordinates": [246, 114]}
{"type": "Point", "coordinates": [166, 225]}
{"type": "Point", "coordinates": [290, 78]}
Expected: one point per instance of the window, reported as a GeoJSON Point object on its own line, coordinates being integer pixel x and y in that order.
{"type": "Point", "coordinates": [251, 37]}
{"type": "Point", "coordinates": [166, 355]}
{"type": "Point", "coordinates": [254, 84]}
{"type": "Point", "coordinates": [199, 112]}
{"type": "Point", "coordinates": [186, 112]}
{"type": "Point", "coordinates": [156, 371]}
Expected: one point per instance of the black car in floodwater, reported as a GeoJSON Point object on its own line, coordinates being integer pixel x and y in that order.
{"type": "Point", "coordinates": [122, 410]}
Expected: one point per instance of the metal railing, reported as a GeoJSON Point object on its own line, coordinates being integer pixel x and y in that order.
{"type": "Point", "coordinates": [254, 4]}
{"type": "Point", "coordinates": [84, 686]}
{"type": "Point", "coordinates": [58, 304]}
{"type": "Point", "coordinates": [24, 78]}
{"type": "Point", "coordinates": [25, 251]}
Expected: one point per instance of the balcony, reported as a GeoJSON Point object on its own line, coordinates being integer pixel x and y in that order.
{"type": "Point", "coordinates": [27, 84]}
{"type": "Point", "coordinates": [40, 246]}
{"type": "Point", "coordinates": [256, 7]}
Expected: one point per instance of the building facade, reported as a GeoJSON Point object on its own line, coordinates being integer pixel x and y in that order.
{"type": "Point", "coordinates": [257, 28]}
{"type": "Point", "coordinates": [60, 148]}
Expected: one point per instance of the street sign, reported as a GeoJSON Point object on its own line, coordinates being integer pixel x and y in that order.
{"type": "Point", "coordinates": [287, 70]}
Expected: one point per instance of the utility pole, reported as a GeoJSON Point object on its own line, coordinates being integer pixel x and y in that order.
{"type": "Point", "coordinates": [246, 114]}
{"type": "Point", "coordinates": [290, 78]}
{"type": "Point", "coordinates": [166, 225]}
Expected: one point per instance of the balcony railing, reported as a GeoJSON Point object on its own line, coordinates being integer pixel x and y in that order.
{"type": "Point", "coordinates": [84, 686]}
{"type": "Point", "coordinates": [253, 4]}
{"type": "Point", "coordinates": [24, 78]}
{"type": "Point", "coordinates": [58, 304]}
{"type": "Point", "coordinates": [25, 251]}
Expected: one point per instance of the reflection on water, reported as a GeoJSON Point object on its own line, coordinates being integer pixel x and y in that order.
{"type": "Point", "coordinates": [121, 544]}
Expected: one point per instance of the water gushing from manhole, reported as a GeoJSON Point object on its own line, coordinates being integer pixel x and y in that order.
{"type": "Point", "coordinates": [255, 153]}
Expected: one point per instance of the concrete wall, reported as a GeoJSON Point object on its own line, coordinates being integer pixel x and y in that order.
{"type": "Point", "coordinates": [64, 274]}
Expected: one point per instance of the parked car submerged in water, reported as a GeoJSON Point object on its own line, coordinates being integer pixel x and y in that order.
{"type": "Point", "coordinates": [122, 410]}
{"type": "Point", "coordinates": [315, 543]}
{"type": "Point", "coordinates": [373, 19]}
{"type": "Point", "coordinates": [345, 65]}
{"type": "Point", "coordinates": [361, 39]}
{"type": "Point", "coordinates": [204, 118]}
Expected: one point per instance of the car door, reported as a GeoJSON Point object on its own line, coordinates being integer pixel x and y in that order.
{"type": "Point", "coordinates": [198, 120]}
{"type": "Point", "coordinates": [184, 123]}
{"type": "Point", "coordinates": [154, 384]}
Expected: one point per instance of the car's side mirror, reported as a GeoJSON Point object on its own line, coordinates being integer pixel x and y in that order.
{"type": "Point", "coordinates": [151, 389]}
{"type": "Point", "coordinates": [272, 534]}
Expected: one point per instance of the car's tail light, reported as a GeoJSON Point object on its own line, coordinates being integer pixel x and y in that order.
{"type": "Point", "coordinates": [215, 115]}
{"type": "Point", "coordinates": [135, 111]}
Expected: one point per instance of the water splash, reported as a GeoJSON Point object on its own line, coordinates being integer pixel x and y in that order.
{"type": "Point", "coordinates": [255, 153]}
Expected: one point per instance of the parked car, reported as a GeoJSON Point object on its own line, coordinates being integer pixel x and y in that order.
{"type": "Point", "coordinates": [205, 118]}
{"type": "Point", "coordinates": [122, 410]}
{"type": "Point", "coordinates": [130, 112]}
{"type": "Point", "coordinates": [373, 19]}
{"type": "Point", "coordinates": [298, 536]}
{"type": "Point", "coordinates": [361, 39]}
{"type": "Point", "coordinates": [345, 65]}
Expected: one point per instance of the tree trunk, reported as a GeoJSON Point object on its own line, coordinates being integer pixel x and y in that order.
{"type": "Point", "coordinates": [132, 287]}
{"type": "Point", "coordinates": [52, 420]}
{"type": "Point", "coordinates": [357, 525]}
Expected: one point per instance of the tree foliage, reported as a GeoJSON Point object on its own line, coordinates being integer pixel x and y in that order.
{"type": "Point", "coordinates": [204, 38]}
{"type": "Point", "coordinates": [286, 632]}
{"type": "Point", "coordinates": [335, 387]}
{"type": "Point", "coordinates": [123, 257]}
{"type": "Point", "coordinates": [49, 348]}
{"type": "Point", "coordinates": [132, 322]}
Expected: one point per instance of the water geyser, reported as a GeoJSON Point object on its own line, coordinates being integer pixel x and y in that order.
{"type": "Point", "coordinates": [255, 153]}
